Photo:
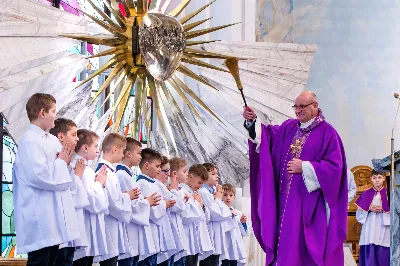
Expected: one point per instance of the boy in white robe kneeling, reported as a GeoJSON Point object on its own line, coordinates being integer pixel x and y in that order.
{"type": "Point", "coordinates": [236, 252]}
{"type": "Point", "coordinates": [194, 218]}
{"type": "Point", "coordinates": [174, 213]}
{"type": "Point", "coordinates": [220, 220]}
{"type": "Point", "coordinates": [374, 214]}
{"type": "Point", "coordinates": [138, 231]}
{"type": "Point", "coordinates": [87, 150]}
{"type": "Point", "coordinates": [44, 215]}
{"type": "Point", "coordinates": [150, 167]}
{"type": "Point", "coordinates": [119, 204]}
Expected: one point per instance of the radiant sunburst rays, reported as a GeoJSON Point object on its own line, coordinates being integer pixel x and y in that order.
{"type": "Point", "coordinates": [128, 67]}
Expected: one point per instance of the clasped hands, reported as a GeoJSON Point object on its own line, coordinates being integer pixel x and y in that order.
{"type": "Point", "coordinates": [375, 208]}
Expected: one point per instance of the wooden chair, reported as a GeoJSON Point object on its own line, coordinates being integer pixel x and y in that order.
{"type": "Point", "coordinates": [13, 262]}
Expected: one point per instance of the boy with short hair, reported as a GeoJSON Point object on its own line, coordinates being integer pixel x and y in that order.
{"type": "Point", "coordinates": [66, 132]}
{"type": "Point", "coordinates": [119, 207]}
{"type": "Point", "coordinates": [374, 214]}
{"type": "Point", "coordinates": [138, 231]}
{"type": "Point", "coordinates": [174, 214]}
{"type": "Point", "coordinates": [159, 221]}
{"type": "Point", "coordinates": [220, 220]}
{"type": "Point", "coordinates": [87, 149]}
{"type": "Point", "coordinates": [43, 217]}
{"type": "Point", "coordinates": [194, 218]}
{"type": "Point", "coordinates": [236, 251]}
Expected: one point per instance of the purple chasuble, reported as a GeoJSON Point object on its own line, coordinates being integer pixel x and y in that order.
{"type": "Point", "coordinates": [365, 200]}
{"type": "Point", "coordinates": [289, 222]}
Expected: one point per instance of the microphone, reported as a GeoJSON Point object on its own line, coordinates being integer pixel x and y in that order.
{"type": "Point", "coordinates": [396, 96]}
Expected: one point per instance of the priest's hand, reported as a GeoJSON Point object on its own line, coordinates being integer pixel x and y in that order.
{"type": "Point", "coordinates": [248, 113]}
{"type": "Point", "coordinates": [243, 219]}
{"type": "Point", "coordinates": [153, 199]}
{"type": "Point", "coordinates": [80, 168]}
{"type": "Point", "coordinates": [219, 193]}
{"type": "Point", "coordinates": [295, 166]}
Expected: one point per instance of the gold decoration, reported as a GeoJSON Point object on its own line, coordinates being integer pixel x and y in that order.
{"type": "Point", "coordinates": [129, 67]}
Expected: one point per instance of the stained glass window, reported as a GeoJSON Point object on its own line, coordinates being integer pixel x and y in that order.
{"type": "Point", "coordinates": [8, 241]}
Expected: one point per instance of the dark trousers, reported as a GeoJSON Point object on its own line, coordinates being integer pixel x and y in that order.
{"type": "Point", "coordinates": [109, 262]}
{"type": "Point", "coordinates": [85, 261]}
{"type": "Point", "coordinates": [192, 260]}
{"type": "Point", "coordinates": [43, 257]}
{"type": "Point", "coordinates": [168, 262]}
{"type": "Point", "coordinates": [229, 263]}
{"type": "Point", "coordinates": [149, 261]}
{"type": "Point", "coordinates": [180, 262]}
{"type": "Point", "coordinates": [212, 260]}
{"type": "Point", "coordinates": [65, 257]}
{"type": "Point", "coordinates": [134, 261]}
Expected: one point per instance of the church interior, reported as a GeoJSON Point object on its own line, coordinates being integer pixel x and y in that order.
{"type": "Point", "coordinates": [189, 105]}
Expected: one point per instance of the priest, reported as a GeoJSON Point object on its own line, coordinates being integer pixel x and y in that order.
{"type": "Point", "coordinates": [298, 185]}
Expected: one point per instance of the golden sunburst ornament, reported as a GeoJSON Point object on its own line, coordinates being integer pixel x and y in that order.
{"type": "Point", "coordinates": [147, 49]}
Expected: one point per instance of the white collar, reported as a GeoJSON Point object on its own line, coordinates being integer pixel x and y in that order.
{"type": "Point", "coordinates": [107, 163]}
{"type": "Point", "coordinates": [38, 130]}
{"type": "Point", "coordinates": [307, 124]}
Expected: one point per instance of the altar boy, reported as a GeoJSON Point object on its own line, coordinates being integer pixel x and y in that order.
{"type": "Point", "coordinates": [220, 220]}
{"type": "Point", "coordinates": [66, 132]}
{"type": "Point", "coordinates": [119, 207]}
{"type": "Point", "coordinates": [159, 221]}
{"type": "Point", "coordinates": [374, 214]}
{"type": "Point", "coordinates": [87, 149]}
{"type": "Point", "coordinates": [236, 253]}
{"type": "Point", "coordinates": [44, 219]}
{"type": "Point", "coordinates": [194, 219]}
{"type": "Point", "coordinates": [138, 231]}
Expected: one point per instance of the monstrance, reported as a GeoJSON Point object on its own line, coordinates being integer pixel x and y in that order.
{"type": "Point", "coordinates": [147, 50]}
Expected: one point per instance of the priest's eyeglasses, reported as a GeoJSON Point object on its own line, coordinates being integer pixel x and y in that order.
{"type": "Point", "coordinates": [301, 107]}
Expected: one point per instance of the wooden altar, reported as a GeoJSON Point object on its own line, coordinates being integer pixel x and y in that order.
{"type": "Point", "coordinates": [362, 176]}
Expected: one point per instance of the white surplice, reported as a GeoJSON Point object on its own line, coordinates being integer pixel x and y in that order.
{"type": "Point", "coordinates": [120, 212]}
{"type": "Point", "coordinates": [43, 209]}
{"type": "Point", "coordinates": [375, 226]}
{"type": "Point", "coordinates": [159, 219]}
{"type": "Point", "coordinates": [94, 213]}
{"type": "Point", "coordinates": [234, 238]}
{"type": "Point", "coordinates": [175, 216]}
{"type": "Point", "coordinates": [80, 198]}
{"type": "Point", "coordinates": [219, 220]}
{"type": "Point", "coordinates": [195, 225]}
{"type": "Point", "coordinates": [138, 231]}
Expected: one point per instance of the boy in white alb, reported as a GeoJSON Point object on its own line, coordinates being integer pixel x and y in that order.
{"type": "Point", "coordinates": [374, 214]}
{"type": "Point", "coordinates": [174, 213]}
{"type": "Point", "coordinates": [194, 218]}
{"type": "Point", "coordinates": [44, 217]}
{"type": "Point", "coordinates": [138, 231]}
{"type": "Point", "coordinates": [87, 149]}
{"type": "Point", "coordinates": [236, 252]}
{"type": "Point", "coordinates": [66, 132]}
{"type": "Point", "coordinates": [119, 204]}
{"type": "Point", "coordinates": [179, 174]}
{"type": "Point", "coordinates": [220, 220]}
{"type": "Point", "coordinates": [159, 220]}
